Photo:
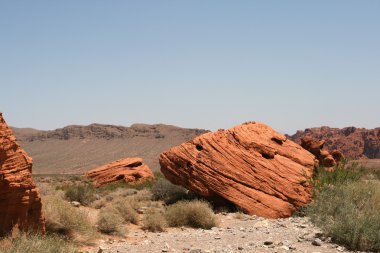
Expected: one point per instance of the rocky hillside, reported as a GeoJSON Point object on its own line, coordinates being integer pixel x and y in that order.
{"type": "Point", "coordinates": [353, 142]}
{"type": "Point", "coordinates": [76, 149]}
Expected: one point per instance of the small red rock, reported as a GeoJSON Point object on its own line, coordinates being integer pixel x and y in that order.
{"type": "Point", "coordinates": [131, 170]}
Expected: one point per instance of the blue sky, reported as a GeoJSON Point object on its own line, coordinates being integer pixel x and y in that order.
{"type": "Point", "coordinates": [205, 64]}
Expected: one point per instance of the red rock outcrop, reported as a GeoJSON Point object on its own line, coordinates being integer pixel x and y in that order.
{"type": "Point", "coordinates": [353, 143]}
{"type": "Point", "coordinates": [250, 165]}
{"type": "Point", "coordinates": [326, 159]}
{"type": "Point", "coordinates": [20, 202]}
{"type": "Point", "coordinates": [131, 170]}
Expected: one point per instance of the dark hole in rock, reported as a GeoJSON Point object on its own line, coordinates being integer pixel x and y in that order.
{"type": "Point", "coordinates": [136, 176]}
{"type": "Point", "coordinates": [120, 177]}
{"type": "Point", "coordinates": [280, 142]}
{"type": "Point", "coordinates": [267, 155]}
{"type": "Point", "coordinates": [199, 147]}
{"type": "Point", "coordinates": [133, 165]}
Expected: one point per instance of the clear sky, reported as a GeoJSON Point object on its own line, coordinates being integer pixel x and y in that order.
{"type": "Point", "coordinates": [205, 64]}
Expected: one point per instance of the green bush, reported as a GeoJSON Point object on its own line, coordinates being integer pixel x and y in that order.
{"type": "Point", "coordinates": [350, 214]}
{"type": "Point", "coordinates": [343, 173]}
{"type": "Point", "coordinates": [28, 243]}
{"type": "Point", "coordinates": [194, 213]}
{"type": "Point", "coordinates": [168, 192]}
{"type": "Point", "coordinates": [83, 193]}
{"type": "Point", "coordinates": [154, 221]}
{"type": "Point", "coordinates": [347, 207]}
{"type": "Point", "coordinates": [110, 221]}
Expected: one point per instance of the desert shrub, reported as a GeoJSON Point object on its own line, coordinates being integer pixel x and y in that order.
{"type": "Point", "coordinates": [62, 218]}
{"type": "Point", "coordinates": [36, 244]}
{"type": "Point", "coordinates": [343, 173]}
{"type": "Point", "coordinates": [83, 193]}
{"type": "Point", "coordinates": [347, 207]}
{"type": "Point", "coordinates": [350, 214]}
{"type": "Point", "coordinates": [99, 203]}
{"type": "Point", "coordinates": [168, 192]}
{"type": "Point", "coordinates": [126, 211]}
{"type": "Point", "coordinates": [110, 221]}
{"type": "Point", "coordinates": [194, 213]}
{"type": "Point", "coordinates": [154, 220]}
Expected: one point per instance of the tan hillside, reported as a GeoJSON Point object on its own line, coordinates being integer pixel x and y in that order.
{"type": "Point", "coordinates": [76, 149]}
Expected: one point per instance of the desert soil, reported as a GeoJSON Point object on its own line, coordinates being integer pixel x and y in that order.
{"type": "Point", "coordinates": [235, 234]}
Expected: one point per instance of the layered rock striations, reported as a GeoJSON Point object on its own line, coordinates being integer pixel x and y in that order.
{"type": "Point", "coordinates": [20, 202]}
{"type": "Point", "coordinates": [130, 170]}
{"type": "Point", "coordinates": [250, 165]}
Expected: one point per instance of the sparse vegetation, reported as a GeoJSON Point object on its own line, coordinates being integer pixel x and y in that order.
{"type": "Point", "coordinates": [168, 192]}
{"type": "Point", "coordinates": [154, 220]}
{"type": "Point", "coordinates": [196, 213]}
{"type": "Point", "coordinates": [343, 173]}
{"type": "Point", "coordinates": [84, 193]}
{"type": "Point", "coordinates": [126, 211]}
{"type": "Point", "coordinates": [110, 221]}
{"type": "Point", "coordinates": [36, 244]}
{"type": "Point", "coordinates": [347, 208]}
{"type": "Point", "coordinates": [64, 219]}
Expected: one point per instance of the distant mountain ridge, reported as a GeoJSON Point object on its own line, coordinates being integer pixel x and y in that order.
{"type": "Point", "coordinates": [101, 131]}
{"type": "Point", "coordinates": [354, 143]}
{"type": "Point", "coordinates": [76, 149]}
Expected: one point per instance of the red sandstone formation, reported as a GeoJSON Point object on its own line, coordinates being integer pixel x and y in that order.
{"type": "Point", "coordinates": [20, 202]}
{"type": "Point", "coordinates": [131, 170]}
{"type": "Point", "coordinates": [250, 165]}
{"type": "Point", "coordinates": [325, 158]}
{"type": "Point", "coordinates": [353, 142]}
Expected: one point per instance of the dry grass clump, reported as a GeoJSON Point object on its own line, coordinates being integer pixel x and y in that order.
{"type": "Point", "coordinates": [240, 216]}
{"type": "Point", "coordinates": [126, 211]}
{"type": "Point", "coordinates": [62, 218]}
{"type": "Point", "coordinates": [29, 243]}
{"type": "Point", "coordinates": [196, 213]}
{"type": "Point", "coordinates": [347, 208]}
{"type": "Point", "coordinates": [154, 220]}
{"type": "Point", "coordinates": [168, 192]}
{"type": "Point", "coordinates": [110, 221]}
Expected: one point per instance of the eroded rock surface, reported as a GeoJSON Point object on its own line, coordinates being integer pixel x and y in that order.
{"type": "Point", "coordinates": [131, 170]}
{"type": "Point", "coordinates": [250, 165]}
{"type": "Point", "coordinates": [352, 142]}
{"type": "Point", "coordinates": [20, 202]}
{"type": "Point", "coordinates": [325, 158]}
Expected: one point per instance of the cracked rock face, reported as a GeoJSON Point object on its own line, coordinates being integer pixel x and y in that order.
{"type": "Point", "coordinates": [250, 165]}
{"type": "Point", "coordinates": [131, 170]}
{"type": "Point", "coordinates": [20, 202]}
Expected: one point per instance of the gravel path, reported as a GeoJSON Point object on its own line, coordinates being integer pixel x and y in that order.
{"type": "Point", "coordinates": [246, 234]}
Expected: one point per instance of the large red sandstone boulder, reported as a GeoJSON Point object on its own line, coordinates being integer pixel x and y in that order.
{"type": "Point", "coordinates": [20, 202]}
{"type": "Point", "coordinates": [326, 159]}
{"type": "Point", "coordinates": [250, 165]}
{"type": "Point", "coordinates": [130, 170]}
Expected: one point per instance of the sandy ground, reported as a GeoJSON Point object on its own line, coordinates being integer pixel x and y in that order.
{"type": "Point", "coordinates": [235, 234]}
